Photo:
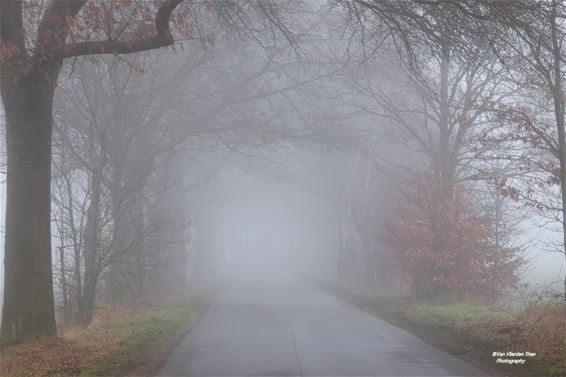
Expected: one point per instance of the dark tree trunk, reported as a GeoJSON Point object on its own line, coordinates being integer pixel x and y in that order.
{"type": "Point", "coordinates": [560, 114]}
{"type": "Point", "coordinates": [445, 171]}
{"type": "Point", "coordinates": [86, 303]}
{"type": "Point", "coordinates": [66, 307]}
{"type": "Point", "coordinates": [114, 286]}
{"type": "Point", "coordinates": [28, 310]}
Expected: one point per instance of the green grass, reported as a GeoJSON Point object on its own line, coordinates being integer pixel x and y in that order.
{"type": "Point", "coordinates": [119, 340]}
{"type": "Point", "coordinates": [461, 314]}
{"type": "Point", "coordinates": [471, 331]}
{"type": "Point", "coordinates": [164, 323]}
{"type": "Point", "coordinates": [139, 338]}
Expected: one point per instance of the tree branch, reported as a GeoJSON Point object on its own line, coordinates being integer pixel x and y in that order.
{"type": "Point", "coordinates": [12, 41]}
{"type": "Point", "coordinates": [11, 24]}
{"type": "Point", "coordinates": [161, 38]}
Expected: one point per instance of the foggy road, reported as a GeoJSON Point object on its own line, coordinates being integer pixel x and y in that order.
{"type": "Point", "coordinates": [293, 329]}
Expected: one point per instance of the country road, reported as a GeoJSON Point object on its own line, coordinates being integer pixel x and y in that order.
{"type": "Point", "coordinates": [295, 329]}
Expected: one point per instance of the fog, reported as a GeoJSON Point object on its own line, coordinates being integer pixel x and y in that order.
{"type": "Point", "coordinates": [262, 225]}
{"type": "Point", "coordinates": [262, 219]}
{"type": "Point", "coordinates": [267, 220]}
{"type": "Point", "coordinates": [409, 151]}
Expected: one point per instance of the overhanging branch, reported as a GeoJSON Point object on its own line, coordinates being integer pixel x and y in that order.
{"type": "Point", "coordinates": [162, 38]}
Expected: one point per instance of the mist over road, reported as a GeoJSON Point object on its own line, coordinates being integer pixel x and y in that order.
{"type": "Point", "coordinates": [284, 328]}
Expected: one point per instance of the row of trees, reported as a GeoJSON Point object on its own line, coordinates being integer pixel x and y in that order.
{"type": "Point", "coordinates": [32, 59]}
{"type": "Point", "coordinates": [479, 105]}
{"type": "Point", "coordinates": [110, 156]}
{"type": "Point", "coordinates": [473, 89]}
{"type": "Point", "coordinates": [113, 208]}
{"type": "Point", "coordinates": [123, 163]}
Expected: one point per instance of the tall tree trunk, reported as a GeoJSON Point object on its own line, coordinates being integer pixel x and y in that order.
{"type": "Point", "coordinates": [77, 275]}
{"type": "Point", "coordinates": [445, 173]}
{"type": "Point", "coordinates": [86, 304]}
{"type": "Point", "coordinates": [137, 256]}
{"type": "Point", "coordinates": [64, 285]}
{"type": "Point", "coordinates": [113, 281]}
{"type": "Point", "coordinates": [28, 310]}
{"type": "Point", "coordinates": [170, 215]}
{"type": "Point", "coordinates": [559, 113]}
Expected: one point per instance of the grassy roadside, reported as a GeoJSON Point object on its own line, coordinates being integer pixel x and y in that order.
{"type": "Point", "coordinates": [120, 341]}
{"type": "Point", "coordinates": [472, 331]}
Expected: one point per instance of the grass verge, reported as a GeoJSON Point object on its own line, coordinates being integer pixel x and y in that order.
{"type": "Point", "coordinates": [473, 332]}
{"type": "Point", "coordinates": [119, 341]}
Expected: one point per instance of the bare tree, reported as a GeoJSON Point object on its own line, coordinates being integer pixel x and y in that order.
{"type": "Point", "coordinates": [32, 57]}
{"type": "Point", "coordinates": [29, 76]}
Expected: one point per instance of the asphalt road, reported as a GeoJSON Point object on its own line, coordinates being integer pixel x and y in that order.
{"type": "Point", "coordinates": [293, 329]}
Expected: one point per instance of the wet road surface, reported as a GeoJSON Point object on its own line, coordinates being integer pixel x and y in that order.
{"type": "Point", "coordinates": [294, 329]}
